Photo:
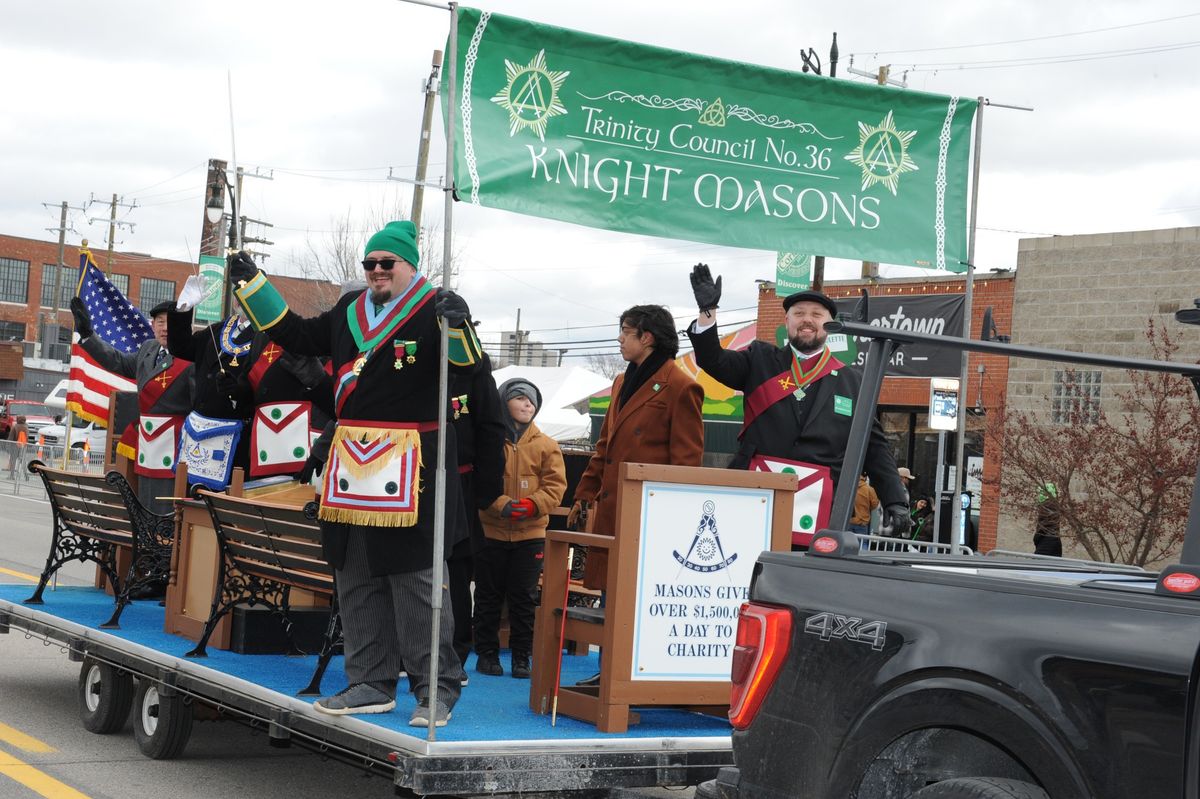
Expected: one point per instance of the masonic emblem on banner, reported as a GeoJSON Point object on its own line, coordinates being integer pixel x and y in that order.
{"type": "Point", "coordinates": [531, 95]}
{"type": "Point", "coordinates": [882, 152]}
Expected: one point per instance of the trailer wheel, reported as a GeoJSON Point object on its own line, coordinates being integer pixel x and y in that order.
{"type": "Point", "coordinates": [105, 695]}
{"type": "Point", "coordinates": [981, 788]}
{"type": "Point", "coordinates": [162, 723]}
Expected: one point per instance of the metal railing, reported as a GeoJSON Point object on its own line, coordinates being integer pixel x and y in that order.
{"type": "Point", "coordinates": [879, 543]}
{"type": "Point", "coordinates": [15, 459]}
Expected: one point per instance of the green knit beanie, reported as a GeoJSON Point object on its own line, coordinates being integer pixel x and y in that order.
{"type": "Point", "coordinates": [399, 238]}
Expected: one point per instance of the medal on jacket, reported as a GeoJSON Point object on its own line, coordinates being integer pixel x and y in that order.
{"type": "Point", "coordinates": [406, 348]}
{"type": "Point", "coordinates": [459, 405]}
{"type": "Point", "coordinates": [359, 363]}
{"type": "Point", "coordinates": [804, 376]}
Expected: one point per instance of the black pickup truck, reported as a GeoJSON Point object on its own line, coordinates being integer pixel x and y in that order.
{"type": "Point", "coordinates": [880, 675]}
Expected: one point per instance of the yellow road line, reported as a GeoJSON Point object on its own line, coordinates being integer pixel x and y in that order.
{"type": "Point", "coordinates": [15, 737]}
{"type": "Point", "coordinates": [36, 780]}
{"type": "Point", "coordinates": [31, 578]}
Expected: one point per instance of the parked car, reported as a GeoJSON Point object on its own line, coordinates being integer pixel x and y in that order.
{"type": "Point", "coordinates": [82, 432]}
{"type": "Point", "coordinates": [37, 415]}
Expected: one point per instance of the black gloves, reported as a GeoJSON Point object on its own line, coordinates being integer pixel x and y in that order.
{"type": "Point", "coordinates": [896, 522]}
{"type": "Point", "coordinates": [451, 307]}
{"type": "Point", "coordinates": [305, 368]}
{"type": "Point", "coordinates": [708, 292]}
{"type": "Point", "coordinates": [227, 385]}
{"type": "Point", "coordinates": [241, 268]}
{"type": "Point", "coordinates": [313, 465]}
{"type": "Point", "coordinates": [83, 322]}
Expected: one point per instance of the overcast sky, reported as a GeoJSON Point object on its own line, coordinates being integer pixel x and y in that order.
{"type": "Point", "coordinates": [131, 97]}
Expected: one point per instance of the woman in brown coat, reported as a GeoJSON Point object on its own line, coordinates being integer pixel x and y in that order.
{"type": "Point", "coordinates": [654, 417]}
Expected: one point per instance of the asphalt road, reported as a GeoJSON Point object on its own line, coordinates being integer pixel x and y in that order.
{"type": "Point", "coordinates": [46, 752]}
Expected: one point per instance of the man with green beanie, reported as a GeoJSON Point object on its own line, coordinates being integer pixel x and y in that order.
{"type": "Point", "coordinates": [376, 496]}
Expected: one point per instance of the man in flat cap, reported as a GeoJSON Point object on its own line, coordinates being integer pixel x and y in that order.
{"type": "Point", "coordinates": [165, 390]}
{"type": "Point", "coordinates": [378, 488]}
{"type": "Point", "coordinates": [799, 398]}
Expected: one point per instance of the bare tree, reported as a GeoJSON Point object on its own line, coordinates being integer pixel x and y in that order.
{"type": "Point", "coordinates": [1123, 484]}
{"type": "Point", "coordinates": [335, 256]}
{"type": "Point", "coordinates": [608, 365]}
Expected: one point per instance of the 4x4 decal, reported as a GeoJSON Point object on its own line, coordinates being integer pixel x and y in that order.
{"type": "Point", "coordinates": [833, 625]}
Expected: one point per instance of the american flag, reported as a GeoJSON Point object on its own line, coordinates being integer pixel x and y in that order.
{"type": "Point", "coordinates": [117, 321]}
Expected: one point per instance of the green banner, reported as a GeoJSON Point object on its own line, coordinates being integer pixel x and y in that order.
{"type": "Point", "coordinates": [793, 272]}
{"type": "Point", "coordinates": [602, 132]}
{"type": "Point", "coordinates": [212, 269]}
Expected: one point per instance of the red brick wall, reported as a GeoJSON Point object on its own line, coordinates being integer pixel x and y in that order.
{"type": "Point", "coordinates": [299, 292]}
{"type": "Point", "coordinates": [989, 290]}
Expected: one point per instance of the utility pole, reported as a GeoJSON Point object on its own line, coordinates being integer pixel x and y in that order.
{"type": "Point", "coordinates": [243, 220]}
{"type": "Point", "coordinates": [818, 269]}
{"type": "Point", "coordinates": [55, 303]}
{"type": "Point", "coordinates": [113, 224]}
{"type": "Point", "coordinates": [431, 88]}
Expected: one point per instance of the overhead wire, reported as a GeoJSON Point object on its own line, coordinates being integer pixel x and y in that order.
{"type": "Point", "coordinates": [1029, 39]}
{"type": "Point", "coordinates": [1035, 61]}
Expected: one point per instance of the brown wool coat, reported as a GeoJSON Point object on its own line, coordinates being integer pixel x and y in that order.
{"type": "Point", "coordinates": [533, 469]}
{"type": "Point", "coordinates": [661, 423]}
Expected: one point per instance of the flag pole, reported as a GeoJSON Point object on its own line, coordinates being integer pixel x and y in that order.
{"type": "Point", "coordinates": [439, 513]}
{"type": "Point", "coordinates": [961, 431]}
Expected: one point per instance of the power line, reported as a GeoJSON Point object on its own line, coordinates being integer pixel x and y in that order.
{"type": "Point", "coordinates": [1022, 41]}
{"type": "Point", "coordinates": [1038, 61]}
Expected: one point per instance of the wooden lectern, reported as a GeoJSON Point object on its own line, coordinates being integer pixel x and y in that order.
{"type": "Point", "coordinates": [699, 526]}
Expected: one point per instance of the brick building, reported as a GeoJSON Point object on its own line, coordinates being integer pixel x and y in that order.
{"type": "Point", "coordinates": [904, 401]}
{"type": "Point", "coordinates": [1094, 293]}
{"type": "Point", "coordinates": [27, 275]}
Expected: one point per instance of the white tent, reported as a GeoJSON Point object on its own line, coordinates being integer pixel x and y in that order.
{"type": "Point", "coordinates": [561, 387]}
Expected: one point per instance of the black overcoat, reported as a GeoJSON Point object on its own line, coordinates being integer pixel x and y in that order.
{"type": "Point", "coordinates": [808, 430]}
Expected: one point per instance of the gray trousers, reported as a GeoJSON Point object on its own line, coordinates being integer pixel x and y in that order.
{"type": "Point", "coordinates": [150, 488]}
{"type": "Point", "coordinates": [386, 623]}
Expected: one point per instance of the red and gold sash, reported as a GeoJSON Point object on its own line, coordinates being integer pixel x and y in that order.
{"type": "Point", "coordinates": [148, 397]}
{"type": "Point", "coordinates": [785, 384]}
{"type": "Point", "coordinates": [265, 360]}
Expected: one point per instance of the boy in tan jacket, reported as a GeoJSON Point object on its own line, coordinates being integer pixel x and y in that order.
{"type": "Point", "coordinates": [508, 568]}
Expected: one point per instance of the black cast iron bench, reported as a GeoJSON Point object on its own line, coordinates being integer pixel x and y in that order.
{"type": "Point", "coordinates": [95, 517]}
{"type": "Point", "coordinates": [265, 551]}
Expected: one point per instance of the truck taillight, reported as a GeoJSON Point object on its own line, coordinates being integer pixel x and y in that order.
{"type": "Point", "coordinates": [763, 635]}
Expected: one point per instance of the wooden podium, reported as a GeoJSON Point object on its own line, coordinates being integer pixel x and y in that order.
{"type": "Point", "coordinates": [700, 527]}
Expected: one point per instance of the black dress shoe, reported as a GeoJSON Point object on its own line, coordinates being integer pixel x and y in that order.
{"type": "Point", "coordinates": [520, 667]}
{"type": "Point", "coordinates": [154, 590]}
{"type": "Point", "coordinates": [489, 663]}
{"type": "Point", "coordinates": [590, 682]}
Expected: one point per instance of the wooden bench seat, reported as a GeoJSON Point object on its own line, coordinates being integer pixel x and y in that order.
{"type": "Point", "coordinates": [265, 551]}
{"type": "Point", "coordinates": [96, 516]}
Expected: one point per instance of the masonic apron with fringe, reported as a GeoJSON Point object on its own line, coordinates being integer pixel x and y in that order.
{"type": "Point", "coordinates": [373, 473]}
{"type": "Point", "coordinates": [207, 446]}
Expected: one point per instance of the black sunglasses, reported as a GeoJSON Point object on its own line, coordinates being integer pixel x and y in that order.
{"type": "Point", "coordinates": [387, 263]}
